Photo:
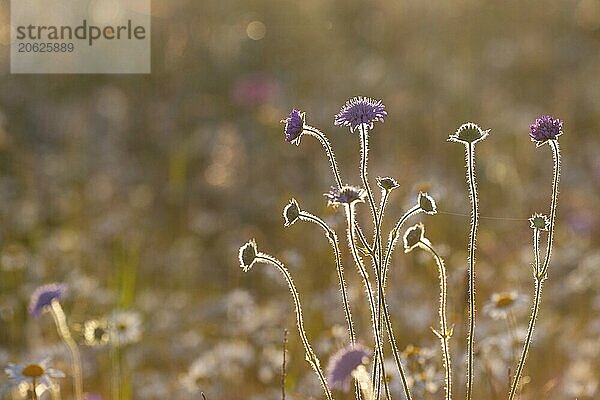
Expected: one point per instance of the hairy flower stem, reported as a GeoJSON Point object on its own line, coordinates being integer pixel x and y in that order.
{"type": "Point", "coordinates": [377, 251]}
{"type": "Point", "coordinates": [311, 357]}
{"type": "Point", "coordinates": [541, 271]}
{"type": "Point", "coordinates": [381, 304]}
{"type": "Point", "coordinates": [333, 239]}
{"type": "Point", "coordinates": [555, 181]}
{"type": "Point", "coordinates": [378, 269]}
{"type": "Point", "coordinates": [327, 146]}
{"type": "Point", "coordinates": [362, 238]}
{"type": "Point", "coordinates": [470, 155]}
{"type": "Point", "coordinates": [445, 333]}
{"type": "Point", "coordinates": [364, 159]}
{"type": "Point", "coordinates": [283, 365]}
{"type": "Point", "coordinates": [534, 313]}
{"type": "Point", "coordinates": [395, 351]}
{"type": "Point", "coordinates": [393, 239]}
{"type": "Point", "coordinates": [349, 208]}
{"type": "Point", "coordinates": [536, 252]}
{"type": "Point", "coordinates": [60, 321]}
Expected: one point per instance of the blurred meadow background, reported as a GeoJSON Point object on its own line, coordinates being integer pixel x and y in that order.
{"type": "Point", "coordinates": [137, 191]}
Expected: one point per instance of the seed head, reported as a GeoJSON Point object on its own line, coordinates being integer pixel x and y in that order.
{"type": "Point", "coordinates": [427, 203]}
{"type": "Point", "coordinates": [387, 183]}
{"type": "Point", "coordinates": [468, 133]}
{"type": "Point", "coordinates": [291, 212]}
{"type": "Point", "coordinates": [539, 222]}
{"type": "Point", "coordinates": [414, 236]}
{"type": "Point", "coordinates": [247, 255]}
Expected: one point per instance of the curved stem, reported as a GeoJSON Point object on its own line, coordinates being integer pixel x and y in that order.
{"type": "Point", "coordinates": [311, 357]}
{"type": "Point", "coordinates": [555, 181]}
{"type": "Point", "coordinates": [470, 155]}
{"type": "Point", "coordinates": [327, 145]}
{"type": "Point", "coordinates": [393, 239]}
{"type": "Point", "coordinates": [362, 238]}
{"type": "Point", "coordinates": [349, 208]}
{"type": "Point", "coordinates": [60, 321]}
{"type": "Point", "coordinates": [541, 272]}
{"type": "Point", "coordinates": [534, 313]}
{"type": "Point", "coordinates": [331, 235]}
{"type": "Point", "coordinates": [385, 195]}
{"type": "Point", "coordinates": [445, 334]}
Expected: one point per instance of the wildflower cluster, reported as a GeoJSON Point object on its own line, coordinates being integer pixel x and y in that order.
{"type": "Point", "coordinates": [35, 378]}
{"type": "Point", "coordinates": [352, 362]}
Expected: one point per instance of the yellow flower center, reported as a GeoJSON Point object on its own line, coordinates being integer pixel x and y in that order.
{"type": "Point", "coordinates": [504, 300]}
{"type": "Point", "coordinates": [33, 371]}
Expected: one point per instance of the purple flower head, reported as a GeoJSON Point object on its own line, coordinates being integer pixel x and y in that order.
{"type": "Point", "coordinates": [294, 126]}
{"type": "Point", "coordinates": [345, 195]}
{"type": "Point", "coordinates": [343, 362]}
{"type": "Point", "coordinates": [544, 129]}
{"type": "Point", "coordinates": [360, 111]}
{"type": "Point", "coordinates": [42, 297]}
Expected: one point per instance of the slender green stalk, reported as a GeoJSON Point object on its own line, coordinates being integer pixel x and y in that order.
{"type": "Point", "coordinates": [327, 146]}
{"type": "Point", "coordinates": [333, 239]}
{"type": "Point", "coordinates": [115, 359]}
{"type": "Point", "coordinates": [445, 333]}
{"type": "Point", "coordinates": [311, 357]}
{"type": "Point", "coordinates": [541, 270]}
{"type": "Point", "coordinates": [470, 155]}
{"type": "Point", "coordinates": [60, 321]}
{"type": "Point", "coordinates": [349, 208]}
